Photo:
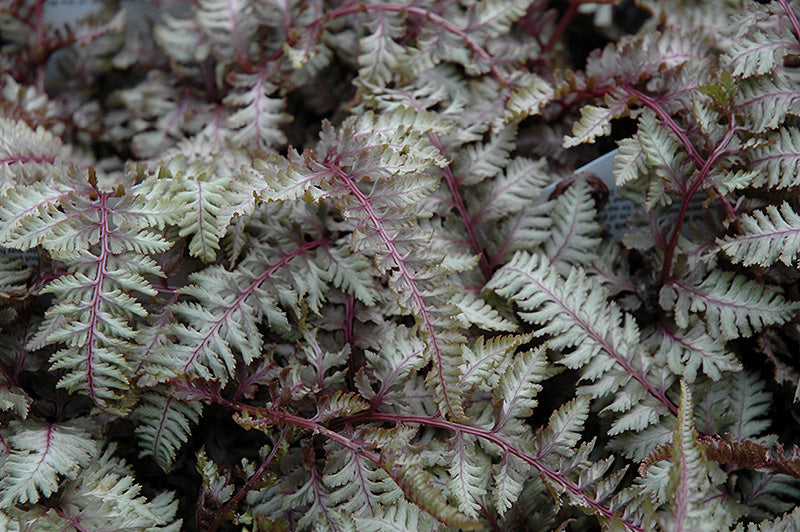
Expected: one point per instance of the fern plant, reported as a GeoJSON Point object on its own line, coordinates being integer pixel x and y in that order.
{"type": "Point", "coordinates": [327, 266]}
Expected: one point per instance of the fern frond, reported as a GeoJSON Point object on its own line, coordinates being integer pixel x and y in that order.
{"type": "Point", "coordinates": [26, 152]}
{"type": "Point", "coordinates": [747, 403]}
{"type": "Point", "coordinates": [14, 398]}
{"type": "Point", "coordinates": [16, 268]}
{"type": "Point", "coordinates": [379, 53]}
{"type": "Point", "coordinates": [778, 163]}
{"type": "Point", "coordinates": [491, 18]}
{"type": "Point", "coordinates": [358, 486]}
{"type": "Point", "coordinates": [400, 517]}
{"type": "Point", "coordinates": [468, 474]}
{"type": "Point", "coordinates": [201, 194]}
{"type": "Point", "coordinates": [573, 239]}
{"type": "Point", "coordinates": [685, 352]}
{"type": "Point", "coordinates": [311, 499]}
{"type": "Point", "coordinates": [104, 497]}
{"type": "Point", "coordinates": [509, 476]}
{"type": "Point", "coordinates": [522, 181]}
{"type": "Point", "coordinates": [518, 386]}
{"type": "Point", "coordinates": [475, 310]}
{"type": "Point", "coordinates": [257, 118]}
{"type": "Point", "coordinates": [41, 453]}
{"type": "Point", "coordinates": [485, 361]}
{"type": "Point", "coordinates": [479, 161]}
{"type": "Point", "coordinates": [216, 482]}
{"type": "Point", "coordinates": [663, 155]}
{"type": "Point", "coordinates": [104, 241]}
{"type": "Point", "coordinates": [595, 121]}
{"type": "Point", "coordinates": [766, 100]}
{"type": "Point", "coordinates": [760, 50]}
{"type": "Point", "coordinates": [650, 54]}
{"type": "Point", "coordinates": [365, 166]}
{"type": "Point", "coordinates": [692, 479]}
{"type": "Point", "coordinates": [732, 305]}
{"type": "Point", "coordinates": [181, 38]}
{"type": "Point", "coordinates": [603, 340]}
{"type": "Point", "coordinates": [164, 425]}
{"type": "Point", "coordinates": [523, 232]}
{"type": "Point", "coordinates": [767, 236]}
{"type": "Point", "coordinates": [224, 320]}
{"type": "Point", "coordinates": [749, 454]}
{"type": "Point", "coordinates": [785, 523]}
{"type": "Point", "coordinates": [229, 25]}
{"type": "Point", "coordinates": [629, 162]}
{"type": "Point", "coordinates": [393, 364]}
{"type": "Point", "coordinates": [561, 435]}
{"type": "Point", "coordinates": [28, 213]}
{"type": "Point", "coordinates": [527, 100]}
{"type": "Point", "coordinates": [420, 488]}
{"type": "Point", "coordinates": [340, 404]}
{"type": "Point", "coordinates": [434, 47]}
{"type": "Point", "coordinates": [350, 272]}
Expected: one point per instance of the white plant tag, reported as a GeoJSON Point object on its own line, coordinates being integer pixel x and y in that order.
{"type": "Point", "coordinates": [615, 214]}
{"type": "Point", "coordinates": [617, 210]}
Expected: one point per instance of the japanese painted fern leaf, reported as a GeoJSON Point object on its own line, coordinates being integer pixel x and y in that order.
{"type": "Point", "coordinates": [732, 305]}
{"type": "Point", "coordinates": [374, 170]}
{"type": "Point", "coordinates": [693, 479]}
{"type": "Point", "coordinates": [593, 334]}
{"type": "Point", "coordinates": [40, 454]}
{"type": "Point", "coordinates": [105, 239]}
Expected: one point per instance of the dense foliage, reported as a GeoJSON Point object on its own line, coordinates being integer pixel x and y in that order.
{"type": "Point", "coordinates": [326, 266]}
